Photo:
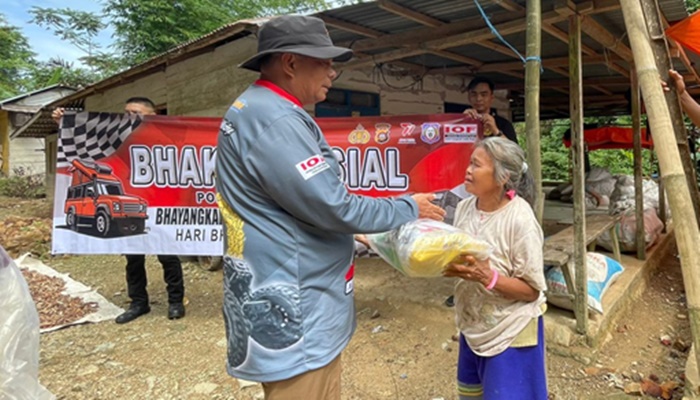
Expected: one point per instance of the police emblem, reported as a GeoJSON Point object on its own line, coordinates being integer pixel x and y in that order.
{"type": "Point", "coordinates": [382, 132]}
{"type": "Point", "coordinates": [430, 132]}
{"type": "Point", "coordinates": [359, 135]}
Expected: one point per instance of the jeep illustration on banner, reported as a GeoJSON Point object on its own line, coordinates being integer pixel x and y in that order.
{"type": "Point", "coordinates": [96, 200]}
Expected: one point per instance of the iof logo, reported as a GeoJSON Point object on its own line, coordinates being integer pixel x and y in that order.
{"type": "Point", "coordinates": [359, 135]}
{"type": "Point", "coordinates": [382, 132]}
{"type": "Point", "coordinates": [430, 132]}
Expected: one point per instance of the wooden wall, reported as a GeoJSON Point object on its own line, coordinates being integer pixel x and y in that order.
{"type": "Point", "coordinates": [206, 85]}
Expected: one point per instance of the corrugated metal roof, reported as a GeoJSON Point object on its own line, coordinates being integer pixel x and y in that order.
{"type": "Point", "coordinates": [34, 92]}
{"type": "Point", "coordinates": [370, 15]}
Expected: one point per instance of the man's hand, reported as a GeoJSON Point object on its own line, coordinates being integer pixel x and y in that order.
{"type": "Point", "coordinates": [677, 80]}
{"type": "Point", "coordinates": [489, 122]}
{"type": "Point", "coordinates": [426, 209]}
{"type": "Point", "coordinates": [57, 114]}
{"type": "Point", "coordinates": [472, 113]}
{"type": "Point", "coordinates": [490, 127]}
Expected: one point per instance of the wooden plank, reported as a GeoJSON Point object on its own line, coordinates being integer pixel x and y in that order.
{"type": "Point", "coordinates": [637, 151]}
{"type": "Point", "coordinates": [350, 27]}
{"type": "Point", "coordinates": [5, 142]}
{"type": "Point", "coordinates": [533, 50]}
{"type": "Point", "coordinates": [663, 63]}
{"type": "Point", "coordinates": [409, 13]}
{"type": "Point", "coordinates": [461, 39]}
{"type": "Point", "coordinates": [419, 35]}
{"type": "Point", "coordinates": [601, 35]}
{"type": "Point", "coordinates": [457, 57]}
{"type": "Point", "coordinates": [576, 115]}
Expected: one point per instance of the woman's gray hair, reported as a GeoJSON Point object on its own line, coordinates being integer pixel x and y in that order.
{"type": "Point", "coordinates": [509, 166]}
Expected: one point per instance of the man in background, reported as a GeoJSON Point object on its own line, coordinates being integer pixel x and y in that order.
{"type": "Point", "coordinates": [481, 96]}
{"type": "Point", "coordinates": [136, 279]}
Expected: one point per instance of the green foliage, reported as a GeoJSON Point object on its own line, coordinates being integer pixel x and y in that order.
{"type": "Point", "coordinates": [144, 29]}
{"type": "Point", "coordinates": [16, 60]}
{"type": "Point", "coordinates": [23, 185]}
{"type": "Point", "coordinates": [692, 5]}
{"type": "Point", "coordinates": [556, 164]}
{"type": "Point", "coordinates": [56, 71]}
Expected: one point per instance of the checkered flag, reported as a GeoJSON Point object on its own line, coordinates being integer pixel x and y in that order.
{"type": "Point", "coordinates": [90, 136]}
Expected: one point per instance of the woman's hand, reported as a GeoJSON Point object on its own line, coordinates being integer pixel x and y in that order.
{"type": "Point", "coordinates": [470, 269]}
{"type": "Point", "coordinates": [362, 239]}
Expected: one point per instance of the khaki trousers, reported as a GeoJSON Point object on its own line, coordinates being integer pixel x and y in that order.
{"type": "Point", "coordinates": [319, 384]}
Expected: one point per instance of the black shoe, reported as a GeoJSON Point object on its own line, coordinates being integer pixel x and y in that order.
{"type": "Point", "coordinates": [450, 301]}
{"type": "Point", "coordinates": [132, 313]}
{"type": "Point", "coordinates": [176, 311]}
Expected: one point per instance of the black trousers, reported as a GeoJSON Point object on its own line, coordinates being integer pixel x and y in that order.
{"type": "Point", "coordinates": [137, 281]}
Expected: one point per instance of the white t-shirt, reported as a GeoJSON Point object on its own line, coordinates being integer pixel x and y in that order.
{"type": "Point", "coordinates": [488, 321]}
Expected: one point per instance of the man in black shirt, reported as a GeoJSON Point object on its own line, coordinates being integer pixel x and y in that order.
{"type": "Point", "coordinates": [480, 92]}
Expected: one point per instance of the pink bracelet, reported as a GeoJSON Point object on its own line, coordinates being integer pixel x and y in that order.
{"type": "Point", "coordinates": [494, 279]}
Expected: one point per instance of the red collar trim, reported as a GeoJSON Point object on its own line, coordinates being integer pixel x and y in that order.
{"type": "Point", "coordinates": [280, 92]}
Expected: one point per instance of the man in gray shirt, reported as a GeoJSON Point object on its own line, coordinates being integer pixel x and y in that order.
{"type": "Point", "coordinates": [289, 220]}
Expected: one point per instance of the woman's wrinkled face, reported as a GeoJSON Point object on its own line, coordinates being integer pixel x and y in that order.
{"type": "Point", "coordinates": [480, 178]}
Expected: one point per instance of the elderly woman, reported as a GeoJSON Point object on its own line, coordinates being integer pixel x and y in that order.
{"type": "Point", "coordinates": [500, 300]}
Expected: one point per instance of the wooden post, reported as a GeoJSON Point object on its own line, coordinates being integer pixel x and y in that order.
{"type": "Point", "coordinates": [672, 174]}
{"type": "Point", "coordinates": [5, 142]}
{"type": "Point", "coordinates": [663, 63]}
{"type": "Point", "coordinates": [576, 114]}
{"type": "Point", "coordinates": [638, 184]}
{"type": "Point", "coordinates": [532, 100]}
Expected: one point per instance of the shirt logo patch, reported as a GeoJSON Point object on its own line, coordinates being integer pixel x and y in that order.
{"type": "Point", "coordinates": [238, 105]}
{"type": "Point", "coordinates": [312, 166]}
{"type": "Point", "coordinates": [350, 280]}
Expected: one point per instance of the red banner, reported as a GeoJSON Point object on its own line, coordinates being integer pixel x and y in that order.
{"type": "Point", "coordinates": [127, 184]}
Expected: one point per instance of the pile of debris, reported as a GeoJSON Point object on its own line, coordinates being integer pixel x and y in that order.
{"type": "Point", "coordinates": [54, 307]}
{"type": "Point", "coordinates": [20, 235]}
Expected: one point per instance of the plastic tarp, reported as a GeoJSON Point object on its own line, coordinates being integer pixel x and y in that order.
{"type": "Point", "coordinates": [612, 137]}
{"type": "Point", "coordinates": [19, 337]}
{"type": "Point", "coordinates": [687, 32]}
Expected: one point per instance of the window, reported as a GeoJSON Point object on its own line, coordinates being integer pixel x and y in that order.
{"type": "Point", "coordinates": [347, 103]}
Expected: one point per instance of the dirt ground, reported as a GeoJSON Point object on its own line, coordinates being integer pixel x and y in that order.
{"type": "Point", "coordinates": [402, 349]}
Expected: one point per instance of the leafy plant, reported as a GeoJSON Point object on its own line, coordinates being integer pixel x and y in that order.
{"type": "Point", "coordinates": [23, 184]}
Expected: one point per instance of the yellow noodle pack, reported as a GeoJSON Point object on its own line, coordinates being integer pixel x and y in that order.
{"type": "Point", "coordinates": [423, 248]}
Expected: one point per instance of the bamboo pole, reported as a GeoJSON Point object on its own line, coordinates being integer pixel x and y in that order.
{"type": "Point", "coordinates": [672, 175]}
{"type": "Point", "coordinates": [663, 62]}
{"type": "Point", "coordinates": [638, 184]}
{"type": "Point", "coordinates": [576, 115]}
{"type": "Point", "coordinates": [5, 142]}
{"type": "Point", "coordinates": [532, 99]}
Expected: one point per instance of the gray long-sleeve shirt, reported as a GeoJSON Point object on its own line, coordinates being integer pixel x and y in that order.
{"type": "Point", "coordinates": [289, 220]}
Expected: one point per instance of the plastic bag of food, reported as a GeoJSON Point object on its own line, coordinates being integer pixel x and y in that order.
{"type": "Point", "coordinates": [19, 337]}
{"type": "Point", "coordinates": [424, 247]}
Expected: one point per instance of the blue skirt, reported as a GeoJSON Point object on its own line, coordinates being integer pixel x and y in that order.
{"type": "Point", "coordinates": [516, 374]}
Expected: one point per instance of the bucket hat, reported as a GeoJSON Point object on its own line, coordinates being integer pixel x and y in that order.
{"type": "Point", "coordinates": [296, 34]}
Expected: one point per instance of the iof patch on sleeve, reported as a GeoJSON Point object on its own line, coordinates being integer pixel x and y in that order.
{"type": "Point", "coordinates": [312, 166]}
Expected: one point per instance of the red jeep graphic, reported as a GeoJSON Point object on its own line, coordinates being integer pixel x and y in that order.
{"type": "Point", "coordinates": [96, 199]}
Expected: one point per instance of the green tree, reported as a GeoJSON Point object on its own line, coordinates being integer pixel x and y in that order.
{"type": "Point", "coordinates": [144, 29]}
{"type": "Point", "coordinates": [16, 59]}
{"type": "Point", "coordinates": [692, 5]}
{"type": "Point", "coordinates": [80, 29]}
{"type": "Point", "coordinates": [56, 70]}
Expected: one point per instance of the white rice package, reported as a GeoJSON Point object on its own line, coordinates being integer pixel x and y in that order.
{"type": "Point", "coordinates": [423, 248]}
